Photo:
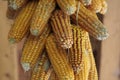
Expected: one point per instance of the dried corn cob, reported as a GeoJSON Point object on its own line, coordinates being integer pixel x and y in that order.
{"type": "Point", "coordinates": [95, 6]}
{"type": "Point", "coordinates": [85, 68]}
{"type": "Point", "coordinates": [104, 7]}
{"type": "Point", "coordinates": [33, 49]}
{"type": "Point", "coordinates": [22, 23]}
{"type": "Point", "coordinates": [62, 28]}
{"type": "Point", "coordinates": [93, 71]}
{"type": "Point", "coordinates": [40, 69]}
{"type": "Point", "coordinates": [41, 16]}
{"type": "Point", "coordinates": [53, 76]}
{"type": "Point", "coordinates": [16, 4]}
{"type": "Point", "coordinates": [86, 2]}
{"type": "Point", "coordinates": [88, 21]}
{"type": "Point", "coordinates": [58, 59]}
{"type": "Point", "coordinates": [78, 47]}
{"type": "Point", "coordinates": [67, 6]}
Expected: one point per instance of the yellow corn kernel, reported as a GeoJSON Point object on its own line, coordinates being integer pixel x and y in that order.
{"type": "Point", "coordinates": [95, 6]}
{"type": "Point", "coordinates": [104, 7]}
{"type": "Point", "coordinates": [88, 21]}
{"type": "Point", "coordinates": [21, 24]}
{"type": "Point", "coordinates": [41, 16]}
{"type": "Point", "coordinates": [53, 76]}
{"type": "Point", "coordinates": [86, 2]}
{"type": "Point", "coordinates": [84, 68]}
{"type": "Point", "coordinates": [58, 59]}
{"type": "Point", "coordinates": [62, 28]}
{"type": "Point", "coordinates": [93, 71]}
{"type": "Point", "coordinates": [67, 6]}
{"type": "Point", "coordinates": [78, 48]}
{"type": "Point", "coordinates": [33, 48]}
{"type": "Point", "coordinates": [41, 69]}
{"type": "Point", "coordinates": [16, 4]}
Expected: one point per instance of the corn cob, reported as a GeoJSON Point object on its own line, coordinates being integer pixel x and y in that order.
{"type": "Point", "coordinates": [16, 4]}
{"type": "Point", "coordinates": [78, 47]}
{"type": "Point", "coordinates": [67, 6]}
{"type": "Point", "coordinates": [33, 49]}
{"type": "Point", "coordinates": [86, 2]}
{"type": "Point", "coordinates": [21, 25]}
{"type": "Point", "coordinates": [95, 6]}
{"type": "Point", "coordinates": [41, 16]}
{"type": "Point", "coordinates": [53, 76]}
{"type": "Point", "coordinates": [93, 71]}
{"type": "Point", "coordinates": [40, 69]}
{"type": "Point", "coordinates": [104, 7]}
{"type": "Point", "coordinates": [62, 28]}
{"type": "Point", "coordinates": [88, 21]}
{"type": "Point", "coordinates": [58, 59]}
{"type": "Point", "coordinates": [85, 68]}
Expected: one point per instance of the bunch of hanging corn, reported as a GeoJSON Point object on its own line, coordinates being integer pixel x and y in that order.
{"type": "Point", "coordinates": [57, 45]}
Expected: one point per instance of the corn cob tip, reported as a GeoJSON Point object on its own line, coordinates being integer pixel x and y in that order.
{"type": "Point", "coordinates": [12, 40]}
{"type": "Point", "coordinates": [103, 37]}
{"type": "Point", "coordinates": [34, 32]}
{"type": "Point", "coordinates": [67, 44]}
{"type": "Point", "coordinates": [13, 6]}
{"type": "Point", "coordinates": [104, 8]}
{"type": "Point", "coordinates": [25, 66]}
{"type": "Point", "coordinates": [77, 70]}
{"type": "Point", "coordinates": [71, 10]}
{"type": "Point", "coordinates": [87, 2]}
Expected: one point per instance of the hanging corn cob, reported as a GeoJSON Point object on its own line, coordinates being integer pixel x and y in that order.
{"type": "Point", "coordinates": [41, 16]}
{"type": "Point", "coordinates": [87, 20]}
{"type": "Point", "coordinates": [93, 71]}
{"type": "Point", "coordinates": [33, 48]}
{"type": "Point", "coordinates": [62, 28]}
{"type": "Point", "coordinates": [42, 69]}
{"type": "Point", "coordinates": [58, 59]}
{"type": "Point", "coordinates": [67, 6]}
{"type": "Point", "coordinates": [78, 48]}
{"type": "Point", "coordinates": [16, 4]}
{"type": "Point", "coordinates": [21, 25]}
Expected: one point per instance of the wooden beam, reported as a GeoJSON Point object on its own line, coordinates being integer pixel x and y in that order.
{"type": "Point", "coordinates": [110, 49]}
{"type": "Point", "coordinates": [8, 55]}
